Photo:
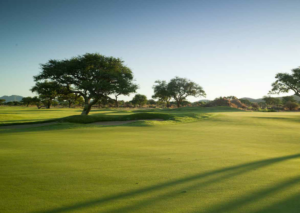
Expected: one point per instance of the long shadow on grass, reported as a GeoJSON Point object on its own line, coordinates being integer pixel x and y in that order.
{"type": "Point", "coordinates": [290, 205]}
{"type": "Point", "coordinates": [294, 119]}
{"type": "Point", "coordinates": [254, 197]}
{"type": "Point", "coordinates": [224, 174]}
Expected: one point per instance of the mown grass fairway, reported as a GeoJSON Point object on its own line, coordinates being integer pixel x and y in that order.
{"type": "Point", "coordinates": [9, 115]}
{"type": "Point", "coordinates": [226, 161]}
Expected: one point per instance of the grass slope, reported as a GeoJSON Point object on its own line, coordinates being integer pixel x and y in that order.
{"type": "Point", "coordinates": [230, 162]}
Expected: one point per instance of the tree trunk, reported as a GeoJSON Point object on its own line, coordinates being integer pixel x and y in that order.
{"type": "Point", "coordinates": [88, 105]}
{"type": "Point", "coordinates": [178, 103]}
{"type": "Point", "coordinates": [117, 104]}
{"type": "Point", "coordinates": [70, 103]}
{"type": "Point", "coordinates": [168, 104]}
{"type": "Point", "coordinates": [49, 104]}
{"type": "Point", "coordinates": [86, 109]}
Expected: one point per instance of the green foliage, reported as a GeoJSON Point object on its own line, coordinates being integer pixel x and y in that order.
{"type": "Point", "coordinates": [47, 90]}
{"type": "Point", "coordinates": [181, 88]}
{"type": "Point", "coordinates": [92, 76]}
{"type": "Point", "coordinates": [291, 106]}
{"type": "Point", "coordinates": [124, 86]}
{"type": "Point", "coordinates": [271, 101]}
{"type": "Point", "coordinates": [162, 93]}
{"type": "Point", "coordinates": [2, 101]}
{"type": "Point", "coordinates": [255, 106]}
{"type": "Point", "coordinates": [177, 88]}
{"type": "Point", "coordinates": [70, 98]}
{"type": "Point", "coordinates": [139, 100]}
{"type": "Point", "coordinates": [105, 102]}
{"type": "Point", "coordinates": [287, 99]}
{"type": "Point", "coordinates": [151, 102]}
{"type": "Point", "coordinates": [27, 101]}
{"type": "Point", "coordinates": [37, 101]}
{"type": "Point", "coordinates": [246, 102]}
{"type": "Point", "coordinates": [287, 82]}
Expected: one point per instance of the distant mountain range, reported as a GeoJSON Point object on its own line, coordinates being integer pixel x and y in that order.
{"type": "Point", "coordinates": [11, 98]}
{"type": "Point", "coordinates": [253, 100]}
{"type": "Point", "coordinates": [297, 98]}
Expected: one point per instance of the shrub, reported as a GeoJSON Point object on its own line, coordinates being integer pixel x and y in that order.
{"type": "Point", "coordinates": [255, 106]}
{"type": "Point", "coordinates": [291, 106]}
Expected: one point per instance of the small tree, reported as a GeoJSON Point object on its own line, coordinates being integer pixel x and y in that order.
{"type": "Point", "coordinates": [287, 82]}
{"type": "Point", "coordinates": [287, 99]}
{"type": "Point", "coordinates": [124, 86]}
{"type": "Point", "coordinates": [162, 93]}
{"type": "Point", "coordinates": [270, 101]}
{"type": "Point", "coordinates": [291, 106]}
{"type": "Point", "coordinates": [47, 90]}
{"type": "Point", "coordinates": [181, 88]}
{"type": "Point", "coordinates": [139, 100]}
{"type": "Point", "coordinates": [27, 101]}
{"type": "Point", "coordinates": [2, 101]}
{"type": "Point", "coordinates": [151, 102]}
{"type": "Point", "coordinates": [37, 102]}
{"type": "Point", "coordinates": [255, 106]}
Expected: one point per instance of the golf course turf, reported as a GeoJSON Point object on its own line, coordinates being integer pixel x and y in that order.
{"type": "Point", "coordinates": [206, 160]}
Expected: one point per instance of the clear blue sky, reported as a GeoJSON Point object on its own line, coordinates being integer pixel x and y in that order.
{"type": "Point", "coordinates": [228, 47]}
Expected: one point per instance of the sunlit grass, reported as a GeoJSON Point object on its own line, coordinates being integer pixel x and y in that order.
{"type": "Point", "coordinates": [214, 160]}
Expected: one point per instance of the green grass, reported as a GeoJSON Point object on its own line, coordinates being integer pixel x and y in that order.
{"type": "Point", "coordinates": [214, 160]}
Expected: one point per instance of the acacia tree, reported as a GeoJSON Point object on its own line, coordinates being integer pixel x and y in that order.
{"type": "Point", "coordinates": [27, 101]}
{"type": "Point", "coordinates": [93, 76]}
{"type": "Point", "coordinates": [2, 101]}
{"type": "Point", "coordinates": [47, 90]}
{"type": "Point", "coordinates": [161, 92]}
{"type": "Point", "coordinates": [287, 82]}
{"type": "Point", "coordinates": [139, 99]}
{"type": "Point", "coordinates": [124, 86]}
{"type": "Point", "coordinates": [181, 88]}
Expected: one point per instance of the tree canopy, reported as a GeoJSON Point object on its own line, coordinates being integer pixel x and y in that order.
{"type": "Point", "coordinates": [27, 101]}
{"type": "Point", "coordinates": [287, 99]}
{"type": "Point", "coordinates": [177, 88]}
{"type": "Point", "coordinates": [93, 76]}
{"type": "Point", "coordinates": [271, 101]}
{"type": "Point", "coordinates": [139, 99]}
{"type": "Point", "coordinates": [181, 88]}
{"type": "Point", "coordinates": [287, 82]}
{"type": "Point", "coordinates": [161, 92]}
{"type": "Point", "coordinates": [47, 90]}
{"type": "Point", "coordinates": [124, 86]}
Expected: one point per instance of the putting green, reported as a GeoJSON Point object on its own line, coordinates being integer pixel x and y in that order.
{"type": "Point", "coordinates": [229, 162]}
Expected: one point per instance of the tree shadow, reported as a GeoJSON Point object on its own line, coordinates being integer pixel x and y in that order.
{"type": "Point", "coordinates": [253, 197]}
{"type": "Point", "coordinates": [293, 119]}
{"type": "Point", "coordinates": [225, 173]}
{"type": "Point", "coordinates": [290, 205]}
